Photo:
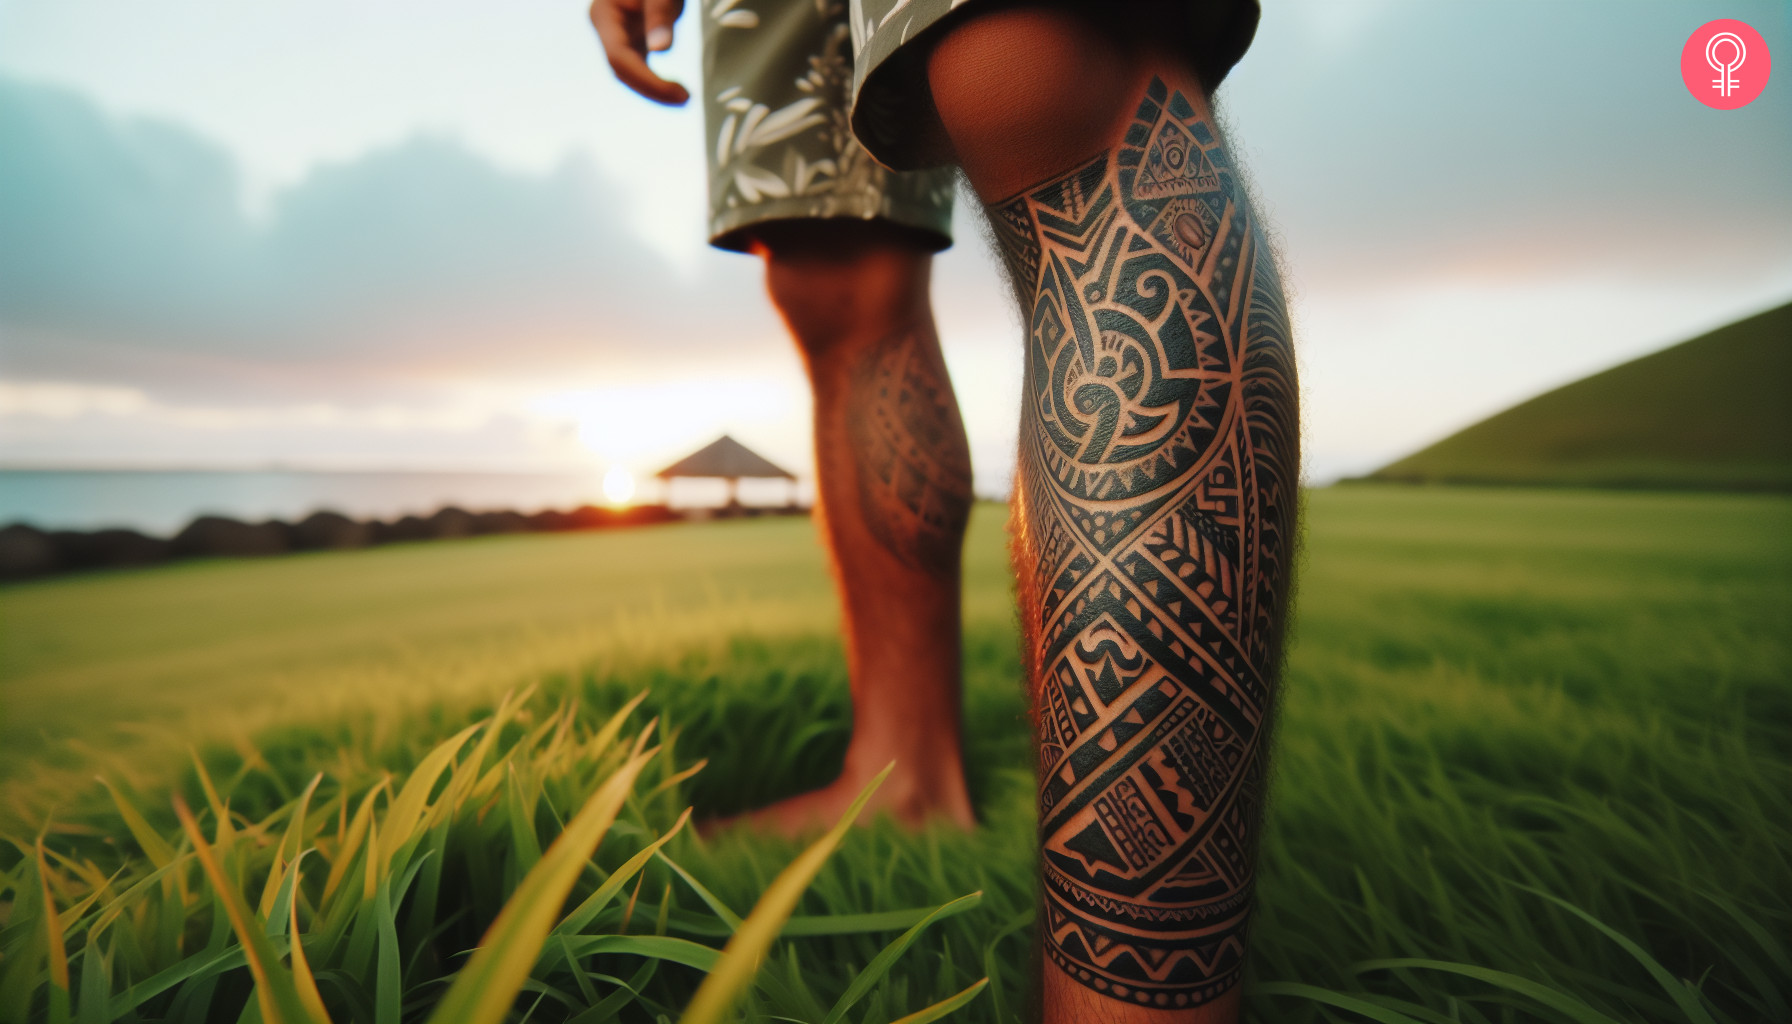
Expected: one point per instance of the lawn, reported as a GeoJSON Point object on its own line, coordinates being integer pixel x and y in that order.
{"type": "Point", "coordinates": [1531, 766]}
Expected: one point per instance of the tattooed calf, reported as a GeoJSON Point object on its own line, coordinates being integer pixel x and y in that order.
{"type": "Point", "coordinates": [1157, 498]}
{"type": "Point", "coordinates": [915, 480]}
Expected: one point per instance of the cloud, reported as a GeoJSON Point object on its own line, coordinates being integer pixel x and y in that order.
{"type": "Point", "coordinates": [1504, 142]}
{"type": "Point", "coordinates": [103, 221]}
{"type": "Point", "coordinates": [1477, 201]}
{"type": "Point", "coordinates": [75, 425]}
{"type": "Point", "coordinates": [127, 257]}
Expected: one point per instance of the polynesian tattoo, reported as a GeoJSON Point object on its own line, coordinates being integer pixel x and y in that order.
{"type": "Point", "coordinates": [1157, 503]}
{"type": "Point", "coordinates": [914, 468]}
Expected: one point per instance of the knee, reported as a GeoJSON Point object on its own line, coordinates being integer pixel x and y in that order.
{"type": "Point", "coordinates": [839, 283]}
{"type": "Point", "coordinates": [1024, 90]}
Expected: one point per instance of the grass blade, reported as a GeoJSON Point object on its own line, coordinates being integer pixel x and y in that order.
{"type": "Point", "coordinates": [858, 924]}
{"type": "Point", "coordinates": [195, 966]}
{"type": "Point", "coordinates": [677, 778]}
{"type": "Point", "coordinates": [279, 999]}
{"type": "Point", "coordinates": [657, 947]}
{"type": "Point", "coordinates": [351, 842]}
{"type": "Point", "coordinates": [740, 958]}
{"type": "Point", "coordinates": [944, 1006]}
{"type": "Point", "coordinates": [301, 968]}
{"type": "Point", "coordinates": [407, 807]}
{"type": "Point", "coordinates": [212, 799]}
{"type": "Point", "coordinates": [19, 972]}
{"type": "Point", "coordinates": [388, 990]}
{"type": "Point", "coordinates": [284, 899]}
{"type": "Point", "coordinates": [519, 810]}
{"type": "Point", "coordinates": [1685, 996]}
{"type": "Point", "coordinates": [294, 839]}
{"type": "Point", "coordinates": [710, 899]}
{"type": "Point", "coordinates": [803, 926]}
{"type": "Point", "coordinates": [613, 727]}
{"type": "Point", "coordinates": [460, 785]}
{"type": "Point", "coordinates": [278, 872]}
{"type": "Point", "coordinates": [148, 839]}
{"type": "Point", "coordinates": [1766, 988]}
{"type": "Point", "coordinates": [990, 962]}
{"type": "Point", "coordinates": [96, 984]}
{"type": "Point", "coordinates": [484, 989]}
{"type": "Point", "coordinates": [1361, 1007]}
{"type": "Point", "coordinates": [59, 995]}
{"type": "Point", "coordinates": [582, 915]}
{"type": "Point", "coordinates": [880, 965]}
{"type": "Point", "coordinates": [1561, 1002]}
{"type": "Point", "coordinates": [625, 994]}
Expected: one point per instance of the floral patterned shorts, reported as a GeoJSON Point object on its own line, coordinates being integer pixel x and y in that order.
{"type": "Point", "coordinates": [789, 113]}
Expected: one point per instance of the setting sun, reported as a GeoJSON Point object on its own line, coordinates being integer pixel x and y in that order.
{"type": "Point", "coordinates": [619, 486]}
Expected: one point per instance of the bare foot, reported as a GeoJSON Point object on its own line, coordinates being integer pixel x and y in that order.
{"type": "Point", "coordinates": [912, 801]}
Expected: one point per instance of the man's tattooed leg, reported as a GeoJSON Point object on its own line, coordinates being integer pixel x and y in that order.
{"type": "Point", "coordinates": [894, 488]}
{"type": "Point", "coordinates": [914, 467]}
{"type": "Point", "coordinates": [1156, 501]}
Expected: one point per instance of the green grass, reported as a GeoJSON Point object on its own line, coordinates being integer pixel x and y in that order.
{"type": "Point", "coordinates": [1712, 412]}
{"type": "Point", "coordinates": [137, 661]}
{"type": "Point", "coordinates": [1531, 763]}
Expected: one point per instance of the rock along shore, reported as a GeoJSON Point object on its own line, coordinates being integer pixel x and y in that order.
{"type": "Point", "coordinates": [26, 551]}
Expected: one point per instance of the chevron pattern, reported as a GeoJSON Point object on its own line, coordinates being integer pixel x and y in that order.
{"type": "Point", "coordinates": [1156, 492]}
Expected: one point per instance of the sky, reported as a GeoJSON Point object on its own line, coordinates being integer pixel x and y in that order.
{"type": "Point", "coordinates": [436, 235]}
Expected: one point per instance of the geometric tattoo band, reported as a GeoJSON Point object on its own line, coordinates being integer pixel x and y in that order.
{"type": "Point", "coordinates": [1157, 501]}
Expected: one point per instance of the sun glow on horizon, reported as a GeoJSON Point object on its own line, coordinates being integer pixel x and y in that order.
{"type": "Point", "coordinates": [619, 486]}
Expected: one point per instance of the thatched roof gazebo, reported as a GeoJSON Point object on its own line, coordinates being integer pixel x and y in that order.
{"type": "Point", "coordinates": [726, 459]}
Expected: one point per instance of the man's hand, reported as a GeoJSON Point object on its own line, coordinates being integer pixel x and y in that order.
{"type": "Point", "coordinates": [630, 30]}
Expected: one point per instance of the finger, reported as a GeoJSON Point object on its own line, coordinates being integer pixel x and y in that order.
{"type": "Point", "coordinates": [658, 17]}
{"type": "Point", "coordinates": [631, 14]}
{"type": "Point", "coordinates": [633, 72]}
{"type": "Point", "coordinates": [618, 24]}
{"type": "Point", "coordinates": [612, 16]}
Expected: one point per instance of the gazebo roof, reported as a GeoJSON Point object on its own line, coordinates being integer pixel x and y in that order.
{"type": "Point", "coordinates": [725, 458]}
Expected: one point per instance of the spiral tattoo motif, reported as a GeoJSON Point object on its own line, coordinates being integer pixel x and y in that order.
{"type": "Point", "coordinates": [1157, 496]}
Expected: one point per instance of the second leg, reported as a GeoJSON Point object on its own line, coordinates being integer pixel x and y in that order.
{"type": "Point", "coordinates": [894, 483]}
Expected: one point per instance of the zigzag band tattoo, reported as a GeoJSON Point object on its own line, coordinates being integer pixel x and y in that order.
{"type": "Point", "coordinates": [1157, 501]}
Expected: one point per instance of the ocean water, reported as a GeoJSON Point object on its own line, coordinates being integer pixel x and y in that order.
{"type": "Point", "coordinates": [159, 503]}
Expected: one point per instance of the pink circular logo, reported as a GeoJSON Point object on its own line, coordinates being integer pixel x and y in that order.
{"type": "Point", "coordinates": [1725, 64]}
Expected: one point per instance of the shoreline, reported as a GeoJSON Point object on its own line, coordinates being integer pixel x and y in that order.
{"type": "Point", "coordinates": [28, 552]}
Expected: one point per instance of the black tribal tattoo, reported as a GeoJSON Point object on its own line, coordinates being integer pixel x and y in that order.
{"type": "Point", "coordinates": [1157, 500]}
{"type": "Point", "coordinates": [915, 476]}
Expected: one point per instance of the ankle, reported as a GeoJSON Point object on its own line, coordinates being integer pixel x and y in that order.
{"type": "Point", "coordinates": [918, 781]}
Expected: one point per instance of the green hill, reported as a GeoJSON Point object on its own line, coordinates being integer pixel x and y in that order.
{"type": "Point", "coordinates": [1714, 413]}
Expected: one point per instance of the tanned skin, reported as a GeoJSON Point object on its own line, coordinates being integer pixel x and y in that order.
{"type": "Point", "coordinates": [893, 472]}
{"type": "Point", "coordinates": [1155, 500]}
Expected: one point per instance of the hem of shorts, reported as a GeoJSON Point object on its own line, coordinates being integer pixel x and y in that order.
{"type": "Point", "coordinates": [893, 156]}
{"type": "Point", "coordinates": [728, 230]}
{"type": "Point", "coordinates": [923, 145]}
